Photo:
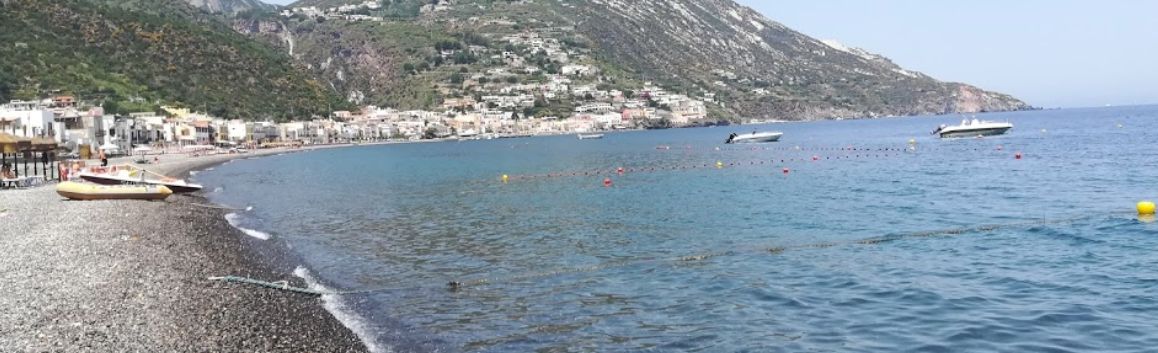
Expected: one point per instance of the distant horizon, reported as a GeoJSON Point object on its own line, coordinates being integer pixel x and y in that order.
{"type": "Point", "coordinates": [1076, 54]}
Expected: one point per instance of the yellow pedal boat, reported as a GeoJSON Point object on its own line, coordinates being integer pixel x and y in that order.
{"type": "Point", "coordinates": [82, 191]}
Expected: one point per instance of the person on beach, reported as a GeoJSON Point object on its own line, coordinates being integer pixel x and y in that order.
{"type": "Point", "coordinates": [6, 172]}
{"type": "Point", "coordinates": [104, 159]}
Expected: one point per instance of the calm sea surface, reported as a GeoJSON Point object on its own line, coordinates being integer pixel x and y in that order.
{"type": "Point", "coordinates": [954, 246]}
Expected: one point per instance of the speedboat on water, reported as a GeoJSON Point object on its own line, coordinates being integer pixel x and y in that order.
{"type": "Point", "coordinates": [590, 136]}
{"type": "Point", "coordinates": [972, 128]}
{"type": "Point", "coordinates": [128, 174]}
{"type": "Point", "coordinates": [755, 137]}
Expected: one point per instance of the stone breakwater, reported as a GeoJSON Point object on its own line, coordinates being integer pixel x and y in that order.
{"type": "Point", "coordinates": [113, 276]}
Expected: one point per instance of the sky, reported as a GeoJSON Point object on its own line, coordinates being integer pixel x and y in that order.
{"type": "Point", "coordinates": [1049, 53]}
{"type": "Point", "coordinates": [1059, 53]}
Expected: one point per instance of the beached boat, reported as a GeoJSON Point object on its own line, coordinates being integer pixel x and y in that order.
{"type": "Point", "coordinates": [82, 191]}
{"type": "Point", "coordinates": [755, 137]}
{"type": "Point", "coordinates": [590, 136]}
{"type": "Point", "coordinates": [128, 174]}
{"type": "Point", "coordinates": [973, 128]}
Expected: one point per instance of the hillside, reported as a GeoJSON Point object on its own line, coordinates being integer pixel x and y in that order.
{"type": "Point", "coordinates": [733, 57]}
{"type": "Point", "coordinates": [232, 7]}
{"type": "Point", "coordinates": [138, 54]}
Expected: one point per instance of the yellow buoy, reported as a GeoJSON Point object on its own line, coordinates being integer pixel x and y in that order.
{"type": "Point", "coordinates": [1146, 208]}
{"type": "Point", "coordinates": [506, 178]}
{"type": "Point", "coordinates": [912, 141]}
{"type": "Point", "coordinates": [719, 164]}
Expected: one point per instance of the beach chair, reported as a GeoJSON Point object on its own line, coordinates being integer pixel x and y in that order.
{"type": "Point", "coordinates": [9, 183]}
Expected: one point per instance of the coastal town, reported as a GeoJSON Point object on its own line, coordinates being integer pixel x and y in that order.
{"type": "Point", "coordinates": [72, 123]}
{"type": "Point", "coordinates": [537, 80]}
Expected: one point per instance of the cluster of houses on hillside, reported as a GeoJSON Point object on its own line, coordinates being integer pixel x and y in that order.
{"type": "Point", "coordinates": [357, 12]}
{"type": "Point", "coordinates": [73, 125]}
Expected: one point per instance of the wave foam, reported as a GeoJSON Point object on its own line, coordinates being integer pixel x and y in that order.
{"type": "Point", "coordinates": [232, 218]}
{"type": "Point", "coordinates": [338, 308]}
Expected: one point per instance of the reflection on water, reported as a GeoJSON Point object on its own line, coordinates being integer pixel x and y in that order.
{"type": "Point", "coordinates": [575, 266]}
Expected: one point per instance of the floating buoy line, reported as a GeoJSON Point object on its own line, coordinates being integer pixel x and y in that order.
{"type": "Point", "coordinates": [613, 171]}
{"type": "Point", "coordinates": [777, 163]}
{"type": "Point", "coordinates": [458, 285]}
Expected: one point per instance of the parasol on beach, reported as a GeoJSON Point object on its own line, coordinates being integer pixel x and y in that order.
{"type": "Point", "coordinates": [143, 150]}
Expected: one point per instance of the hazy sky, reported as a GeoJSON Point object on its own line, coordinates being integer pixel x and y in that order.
{"type": "Point", "coordinates": [1050, 53]}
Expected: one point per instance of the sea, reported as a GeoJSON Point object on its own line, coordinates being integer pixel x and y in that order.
{"type": "Point", "coordinates": [845, 236]}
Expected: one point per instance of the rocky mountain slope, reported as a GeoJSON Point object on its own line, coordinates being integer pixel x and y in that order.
{"type": "Point", "coordinates": [134, 55]}
{"type": "Point", "coordinates": [231, 7]}
{"type": "Point", "coordinates": [716, 49]}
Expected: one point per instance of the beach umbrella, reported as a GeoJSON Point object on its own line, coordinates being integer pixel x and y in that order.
{"type": "Point", "coordinates": [11, 144]}
{"type": "Point", "coordinates": [8, 143]}
{"type": "Point", "coordinates": [7, 146]}
{"type": "Point", "coordinates": [143, 150]}
{"type": "Point", "coordinates": [43, 143]}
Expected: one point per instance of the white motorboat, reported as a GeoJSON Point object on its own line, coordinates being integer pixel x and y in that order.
{"type": "Point", "coordinates": [973, 128]}
{"type": "Point", "coordinates": [755, 137]}
{"type": "Point", "coordinates": [590, 136]}
{"type": "Point", "coordinates": [127, 174]}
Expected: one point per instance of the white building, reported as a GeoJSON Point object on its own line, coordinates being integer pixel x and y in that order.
{"type": "Point", "coordinates": [27, 119]}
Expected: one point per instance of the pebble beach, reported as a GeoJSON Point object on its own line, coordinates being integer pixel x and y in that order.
{"type": "Point", "coordinates": [132, 276]}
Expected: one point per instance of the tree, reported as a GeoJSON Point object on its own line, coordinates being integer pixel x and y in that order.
{"type": "Point", "coordinates": [456, 78]}
{"type": "Point", "coordinates": [111, 107]}
{"type": "Point", "coordinates": [512, 79]}
{"type": "Point", "coordinates": [430, 133]}
{"type": "Point", "coordinates": [408, 67]}
{"type": "Point", "coordinates": [464, 58]}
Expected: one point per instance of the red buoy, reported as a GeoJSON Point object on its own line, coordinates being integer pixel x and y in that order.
{"type": "Point", "coordinates": [1017, 155]}
{"type": "Point", "coordinates": [619, 170]}
{"type": "Point", "coordinates": [785, 170]}
{"type": "Point", "coordinates": [607, 182]}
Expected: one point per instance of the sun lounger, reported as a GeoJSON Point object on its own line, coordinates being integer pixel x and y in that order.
{"type": "Point", "coordinates": [12, 182]}
{"type": "Point", "coordinates": [22, 182]}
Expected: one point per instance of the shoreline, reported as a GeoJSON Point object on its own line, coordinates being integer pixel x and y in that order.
{"type": "Point", "coordinates": [132, 275]}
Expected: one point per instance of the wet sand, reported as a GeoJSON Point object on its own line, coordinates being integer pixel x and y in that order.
{"type": "Point", "coordinates": [119, 276]}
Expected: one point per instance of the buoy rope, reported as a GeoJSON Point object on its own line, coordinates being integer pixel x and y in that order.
{"type": "Point", "coordinates": [456, 285]}
{"type": "Point", "coordinates": [849, 153]}
{"type": "Point", "coordinates": [688, 166]}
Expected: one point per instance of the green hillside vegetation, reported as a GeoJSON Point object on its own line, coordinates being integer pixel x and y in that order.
{"type": "Point", "coordinates": [136, 55]}
{"type": "Point", "coordinates": [752, 66]}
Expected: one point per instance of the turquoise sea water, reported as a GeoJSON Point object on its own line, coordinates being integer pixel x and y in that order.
{"type": "Point", "coordinates": [984, 251]}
